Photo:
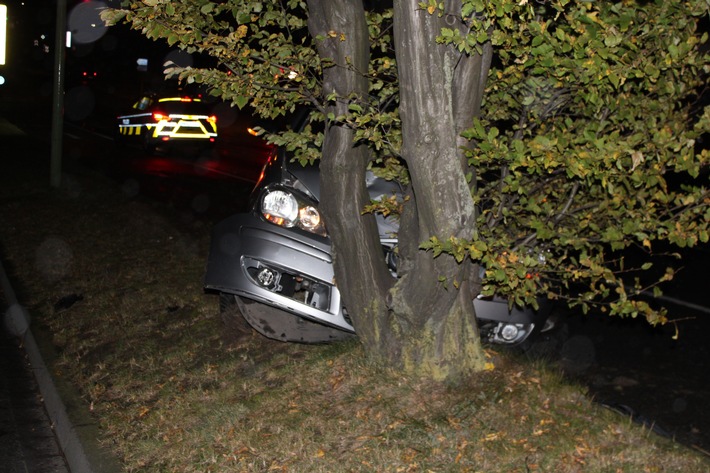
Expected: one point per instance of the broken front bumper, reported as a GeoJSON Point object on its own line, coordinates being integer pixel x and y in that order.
{"type": "Point", "coordinates": [286, 268]}
{"type": "Point", "coordinates": [292, 270]}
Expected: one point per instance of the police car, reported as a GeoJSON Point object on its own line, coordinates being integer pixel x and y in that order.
{"type": "Point", "coordinates": [163, 121]}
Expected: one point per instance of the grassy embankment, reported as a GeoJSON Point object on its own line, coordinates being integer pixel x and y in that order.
{"type": "Point", "coordinates": [118, 286]}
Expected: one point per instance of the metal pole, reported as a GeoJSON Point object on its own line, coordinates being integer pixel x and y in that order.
{"type": "Point", "coordinates": [58, 95]}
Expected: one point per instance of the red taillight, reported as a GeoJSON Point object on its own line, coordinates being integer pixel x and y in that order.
{"type": "Point", "coordinates": [157, 116]}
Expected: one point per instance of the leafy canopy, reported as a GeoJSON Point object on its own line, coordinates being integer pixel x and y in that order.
{"type": "Point", "coordinates": [588, 142]}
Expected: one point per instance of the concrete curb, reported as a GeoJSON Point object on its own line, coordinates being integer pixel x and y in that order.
{"type": "Point", "coordinates": [77, 439]}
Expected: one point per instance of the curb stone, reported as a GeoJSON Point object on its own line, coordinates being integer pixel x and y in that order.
{"type": "Point", "coordinates": [76, 432]}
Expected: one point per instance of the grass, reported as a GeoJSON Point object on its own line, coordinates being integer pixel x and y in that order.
{"type": "Point", "coordinates": [173, 393]}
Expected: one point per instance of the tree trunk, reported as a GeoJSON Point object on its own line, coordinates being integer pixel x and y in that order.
{"type": "Point", "coordinates": [360, 271]}
{"type": "Point", "coordinates": [425, 324]}
{"type": "Point", "coordinates": [440, 93]}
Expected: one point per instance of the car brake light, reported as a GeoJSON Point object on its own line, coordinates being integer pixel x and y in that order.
{"type": "Point", "coordinates": [157, 116]}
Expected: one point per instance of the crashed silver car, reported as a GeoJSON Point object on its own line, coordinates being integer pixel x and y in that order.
{"type": "Point", "coordinates": [273, 266]}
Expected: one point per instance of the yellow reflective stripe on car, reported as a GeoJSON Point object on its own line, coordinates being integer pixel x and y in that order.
{"type": "Point", "coordinates": [178, 99]}
{"type": "Point", "coordinates": [178, 127]}
{"type": "Point", "coordinates": [129, 130]}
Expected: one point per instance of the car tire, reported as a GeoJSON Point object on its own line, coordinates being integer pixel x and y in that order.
{"type": "Point", "coordinates": [277, 324]}
{"type": "Point", "coordinates": [235, 326]}
{"type": "Point", "coordinates": [119, 140]}
{"type": "Point", "coordinates": [149, 146]}
{"type": "Point", "coordinates": [548, 345]}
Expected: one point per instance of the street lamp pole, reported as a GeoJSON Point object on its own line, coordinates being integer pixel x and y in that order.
{"type": "Point", "coordinates": [58, 95]}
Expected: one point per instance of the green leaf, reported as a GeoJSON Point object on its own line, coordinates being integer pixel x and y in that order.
{"type": "Point", "coordinates": [614, 80]}
{"type": "Point", "coordinates": [241, 101]}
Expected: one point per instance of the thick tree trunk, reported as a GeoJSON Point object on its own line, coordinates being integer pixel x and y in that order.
{"type": "Point", "coordinates": [440, 92]}
{"type": "Point", "coordinates": [421, 325]}
{"type": "Point", "coordinates": [360, 270]}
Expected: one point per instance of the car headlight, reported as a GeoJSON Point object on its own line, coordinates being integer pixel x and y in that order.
{"type": "Point", "coordinates": [283, 208]}
{"type": "Point", "coordinates": [280, 207]}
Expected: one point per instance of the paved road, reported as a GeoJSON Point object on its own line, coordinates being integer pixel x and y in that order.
{"type": "Point", "coordinates": [27, 439]}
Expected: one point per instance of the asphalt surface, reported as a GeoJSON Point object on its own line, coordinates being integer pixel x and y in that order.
{"type": "Point", "coordinates": [27, 438]}
{"type": "Point", "coordinates": [28, 434]}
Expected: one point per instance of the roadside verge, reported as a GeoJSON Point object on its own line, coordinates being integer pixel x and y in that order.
{"type": "Point", "coordinates": [76, 432]}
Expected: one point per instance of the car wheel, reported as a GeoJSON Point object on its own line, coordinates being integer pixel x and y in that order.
{"type": "Point", "coordinates": [148, 144]}
{"type": "Point", "coordinates": [236, 327]}
{"type": "Point", "coordinates": [280, 325]}
{"type": "Point", "coordinates": [548, 344]}
{"type": "Point", "coordinates": [119, 140]}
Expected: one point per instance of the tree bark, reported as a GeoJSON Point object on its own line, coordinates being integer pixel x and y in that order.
{"type": "Point", "coordinates": [440, 93]}
{"type": "Point", "coordinates": [425, 323]}
{"type": "Point", "coordinates": [360, 271]}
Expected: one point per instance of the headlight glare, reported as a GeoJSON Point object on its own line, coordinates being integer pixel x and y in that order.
{"type": "Point", "coordinates": [280, 207]}
{"type": "Point", "coordinates": [283, 208]}
{"type": "Point", "coordinates": [308, 217]}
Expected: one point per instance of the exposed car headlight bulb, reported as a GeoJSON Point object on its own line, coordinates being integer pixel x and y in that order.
{"type": "Point", "coordinates": [280, 207]}
{"type": "Point", "coordinates": [266, 277]}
